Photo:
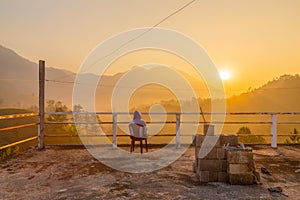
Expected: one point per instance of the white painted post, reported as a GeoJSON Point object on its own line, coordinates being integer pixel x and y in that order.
{"type": "Point", "coordinates": [114, 129]}
{"type": "Point", "coordinates": [177, 130]}
{"type": "Point", "coordinates": [274, 131]}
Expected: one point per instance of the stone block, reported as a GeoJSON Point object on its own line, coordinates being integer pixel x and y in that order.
{"type": "Point", "coordinates": [222, 177]}
{"type": "Point", "coordinates": [240, 168]}
{"type": "Point", "coordinates": [239, 157]}
{"type": "Point", "coordinates": [231, 139]}
{"type": "Point", "coordinates": [241, 179]}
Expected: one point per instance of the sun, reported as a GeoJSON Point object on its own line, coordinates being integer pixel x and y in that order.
{"type": "Point", "coordinates": [225, 75]}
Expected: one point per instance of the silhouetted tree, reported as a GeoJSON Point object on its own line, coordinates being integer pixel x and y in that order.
{"type": "Point", "coordinates": [58, 106]}
{"type": "Point", "coordinates": [246, 137]}
{"type": "Point", "coordinates": [294, 137]}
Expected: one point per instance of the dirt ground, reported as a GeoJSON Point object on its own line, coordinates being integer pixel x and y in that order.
{"type": "Point", "coordinates": [72, 173]}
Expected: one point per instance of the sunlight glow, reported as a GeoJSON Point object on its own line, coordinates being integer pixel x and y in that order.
{"type": "Point", "coordinates": [225, 74]}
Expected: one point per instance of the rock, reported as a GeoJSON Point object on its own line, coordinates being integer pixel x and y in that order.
{"type": "Point", "coordinates": [275, 189]}
{"type": "Point", "coordinates": [265, 171]}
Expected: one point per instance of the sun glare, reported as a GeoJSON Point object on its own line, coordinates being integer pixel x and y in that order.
{"type": "Point", "coordinates": [225, 75]}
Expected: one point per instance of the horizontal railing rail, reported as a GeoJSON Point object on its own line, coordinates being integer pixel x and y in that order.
{"type": "Point", "coordinates": [14, 116]}
{"type": "Point", "coordinates": [273, 122]}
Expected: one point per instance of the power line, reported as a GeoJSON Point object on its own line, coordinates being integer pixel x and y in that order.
{"type": "Point", "coordinates": [106, 85]}
{"type": "Point", "coordinates": [135, 38]}
{"type": "Point", "coordinates": [16, 79]}
{"type": "Point", "coordinates": [143, 33]}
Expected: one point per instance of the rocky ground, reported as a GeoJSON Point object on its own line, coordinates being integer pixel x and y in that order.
{"type": "Point", "coordinates": [72, 173]}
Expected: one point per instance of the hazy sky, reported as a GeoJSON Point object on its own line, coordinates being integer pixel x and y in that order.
{"type": "Point", "coordinates": [256, 40]}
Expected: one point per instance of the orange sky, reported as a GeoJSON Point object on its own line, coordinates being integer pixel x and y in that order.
{"type": "Point", "coordinates": [255, 40]}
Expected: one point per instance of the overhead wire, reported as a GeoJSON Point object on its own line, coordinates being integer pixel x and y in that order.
{"type": "Point", "coordinates": [143, 33]}
{"type": "Point", "coordinates": [17, 79]}
{"type": "Point", "coordinates": [106, 85]}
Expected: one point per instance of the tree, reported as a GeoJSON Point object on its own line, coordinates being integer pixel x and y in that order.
{"type": "Point", "coordinates": [58, 106]}
{"type": "Point", "coordinates": [294, 137]}
{"type": "Point", "coordinates": [244, 130]}
{"type": "Point", "coordinates": [245, 136]}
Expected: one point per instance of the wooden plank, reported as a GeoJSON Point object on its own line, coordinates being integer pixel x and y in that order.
{"type": "Point", "coordinates": [41, 126]}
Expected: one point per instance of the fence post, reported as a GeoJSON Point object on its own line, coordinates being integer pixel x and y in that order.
{"type": "Point", "coordinates": [114, 128]}
{"type": "Point", "coordinates": [177, 130]}
{"type": "Point", "coordinates": [41, 116]}
{"type": "Point", "coordinates": [274, 131]}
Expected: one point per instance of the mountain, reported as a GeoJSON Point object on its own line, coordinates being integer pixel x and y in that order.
{"type": "Point", "coordinates": [19, 81]}
{"type": "Point", "coordinates": [282, 94]}
{"type": "Point", "coordinates": [19, 84]}
{"type": "Point", "coordinates": [19, 88]}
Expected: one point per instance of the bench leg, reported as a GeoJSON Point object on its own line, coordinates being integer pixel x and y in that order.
{"type": "Point", "coordinates": [132, 146]}
{"type": "Point", "coordinates": [146, 145]}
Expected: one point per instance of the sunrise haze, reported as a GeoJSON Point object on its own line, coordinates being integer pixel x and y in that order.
{"type": "Point", "coordinates": [253, 41]}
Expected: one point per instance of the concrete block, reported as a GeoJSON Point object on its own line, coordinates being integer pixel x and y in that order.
{"type": "Point", "coordinates": [240, 168]}
{"type": "Point", "coordinates": [212, 165]}
{"type": "Point", "coordinates": [231, 139]}
{"type": "Point", "coordinates": [239, 157]}
{"type": "Point", "coordinates": [198, 140]}
{"type": "Point", "coordinates": [211, 141]}
{"type": "Point", "coordinates": [196, 151]}
{"type": "Point", "coordinates": [203, 176]}
{"type": "Point", "coordinates": [224, 165]}
{"type": "Point", "coordinates": [207, 141]}
{"type": "Point", "coordinates": [221, 153]}
{"type": "Point", "coordinates": [241, 179]}
{"type": "Point", "coordinates": [194, 167]}
{"type": "Point", "coordinates": [222, 177]}
{"type": "Point", "coordinates": [256, 176]}
{"type": "Point", "coordinates": [207, 153]}
{"type": "Point", "coordinates": [208, 129]}
{"type": "Point", "coordinates": [213, 176]}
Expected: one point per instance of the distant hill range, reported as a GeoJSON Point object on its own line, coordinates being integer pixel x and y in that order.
{"type": "Point", "coordinates": [19, 88]}
{"type": "Point", "coordinates": [279, 94]}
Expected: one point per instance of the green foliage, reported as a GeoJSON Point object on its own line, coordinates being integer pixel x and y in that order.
{"type": "Point", "coordinates": [4, 153]}
{"type": "Point", "coordinates": [244, 135]}
{"type": "Point", "coordinates": [294, 137]}
{"type": "Point", "coordinates": [58, 106]}
{"type": "Point", "coordinates": [244, 130]}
